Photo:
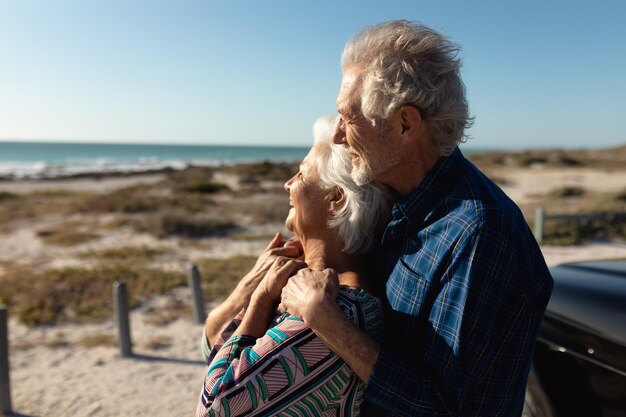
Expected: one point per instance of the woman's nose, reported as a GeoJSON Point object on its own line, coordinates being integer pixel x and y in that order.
{"type": "Point", "coordinates": [288, 184]}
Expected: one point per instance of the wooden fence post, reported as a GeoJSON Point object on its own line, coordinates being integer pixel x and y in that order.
{"type": "Point", "coordinates": [539, 219]}
{"type": "Point", "coordinates": [5, 386]}
{"type": "Point", "coordinates": [120, 304]}
{"type": "Point", "coordinates": [196, 290]}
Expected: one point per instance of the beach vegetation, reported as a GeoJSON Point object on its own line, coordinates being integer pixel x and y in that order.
{"type": "Point", "coordinates": [567, 192]}
{"type": "Point", "coordinates": [125, 200]}
{"type": "Point", "coordinates": [206, 187]}
{"type": "Point", "coordinates": [5, 195]}
{"type": "Point", "coordinates": [180, 224]}
{"type": "Point", "coordinates": [576, 232]}
{"type": "Point", "coordinates": [266, 171]}
{"type": "Point", "coordinates": [58, 192]}
{"type": "Point", "coordinates": [157, 342]}
{"type": "Point", "coordinates": [129, 253]}
{"type": "Point", "coordinates": [65, 234]}
{"type": "Point", "coordinates": [220, 276]}
{"type": "Point", "coordinates": [21, 345]}
{"type": "Point", "coordinates": [165, 314]}
{"type": "Point", "coordinates": [266, 208]}
{"type": "Point", "coordinates": [190, 175]}
{"type": "Point", "coordinates": [245, 236]}
{"type": "Point", "coordinates": [59, 340]}
{"type": "Point", "coordinates": [79, 295]}
{"type": "Point", "coordinates": [98, 339]}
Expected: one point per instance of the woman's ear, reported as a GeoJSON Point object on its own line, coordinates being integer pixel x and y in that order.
{"type": "Point", "coordinates": [337, 199]}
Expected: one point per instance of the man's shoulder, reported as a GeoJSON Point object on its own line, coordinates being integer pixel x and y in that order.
{"type": "Point", "coordinates": [476, 202]}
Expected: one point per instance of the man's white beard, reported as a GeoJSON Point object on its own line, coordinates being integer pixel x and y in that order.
{"type": "Point", "coordinates": [362, 174]}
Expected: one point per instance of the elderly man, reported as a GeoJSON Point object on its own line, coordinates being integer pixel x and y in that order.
{"type": "Point", "coordinates": [465, 282]}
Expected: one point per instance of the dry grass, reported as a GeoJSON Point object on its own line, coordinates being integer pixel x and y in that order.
{"type": "Point", "coordinates": [99, 339]}
{"type": "Point", "coordinates": [32, 207]}
{"type": "Point", "coordinates": [21, 345]}
{"type": "Point", "coordinates": [605, 159]}
{"type": "Point", "coordinates": [157, 342]}
{"type": "Point", "coordinates": [78, 294]}
{"type": "Point", "coordinates": [5, 195]}
{"type": "Point", "coordinates": [166, 314]}
{"type": "Point", "coordinates": [205, 187]}
{"type": "Point", "coordinates": [126, 253]}
{"type": "Point", "coordinates": [126, 200]}
{"type": "Point", "coordinates": [580, 201]}
{"type": "Point", "coordinates": [219, 276]}
{"type": "Point", "coordinates": [248, 236]}
{"type": "Point", "coordinates": [183, 224]}
{"type": "Point", "coordinates": [66, 234]}
{"type": "Point", "coordinates": [262, 208]}
{"type": "Point", "coordinates": [267, 171]}
{"type": "Point", "coordinates": [57, 341]}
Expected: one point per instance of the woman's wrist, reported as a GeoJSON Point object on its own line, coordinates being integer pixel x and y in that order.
{"type": "Point", "coordinates": [256, 319]}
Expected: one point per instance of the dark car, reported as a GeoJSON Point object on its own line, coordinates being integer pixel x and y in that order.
{"type": "Point", "coordinates": [579, 367]}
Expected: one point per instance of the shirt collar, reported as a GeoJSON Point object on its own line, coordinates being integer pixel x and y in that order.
{"type": "Point", "coordinates": [415, 205]}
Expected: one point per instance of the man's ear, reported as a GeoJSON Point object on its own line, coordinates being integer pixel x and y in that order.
{"type": "Point", "coordinates": [337, 199]}
{"type": "Point", "coordinates": [410, 120]}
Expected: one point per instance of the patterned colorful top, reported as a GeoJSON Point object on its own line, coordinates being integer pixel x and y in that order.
{"type": "Point", "coordinates": [289, 371]}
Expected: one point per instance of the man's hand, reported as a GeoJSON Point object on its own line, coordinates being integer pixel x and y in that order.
{"type": "Point", "coordinates": [310, 294]}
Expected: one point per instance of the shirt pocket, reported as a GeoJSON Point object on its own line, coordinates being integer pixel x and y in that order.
{"type": "Point", "coordinates": [406, 287]}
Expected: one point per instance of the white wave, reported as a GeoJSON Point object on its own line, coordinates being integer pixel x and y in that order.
{"type": "Point", "coordinates": [40, 169]}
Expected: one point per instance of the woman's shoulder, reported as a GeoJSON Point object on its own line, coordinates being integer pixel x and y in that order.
{"type": "Point", "coordinates": [363, 309]}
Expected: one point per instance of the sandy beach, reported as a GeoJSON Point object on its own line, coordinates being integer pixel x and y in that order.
{"type": "Point", "coordinates": [73, 368]}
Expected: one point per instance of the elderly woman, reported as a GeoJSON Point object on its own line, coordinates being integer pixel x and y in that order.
{"type": "Point", "coordinates": [265, 364]}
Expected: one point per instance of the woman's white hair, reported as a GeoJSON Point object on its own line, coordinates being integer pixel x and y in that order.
{"type": "Point", "coordinates": [404, 63]}
{"type": "Point", "coordinates": [366, 210]}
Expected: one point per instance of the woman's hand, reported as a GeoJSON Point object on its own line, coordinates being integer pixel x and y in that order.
{"type": "Point", "coordinates": [267, 294]}
{"type": "Point", "coordinates": [276, 248]}
{"type": "Point", "coordinates": [219, 318]}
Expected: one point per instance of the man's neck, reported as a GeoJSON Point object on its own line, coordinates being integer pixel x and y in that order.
{"type": "Point", "coordinates": [412, 169]}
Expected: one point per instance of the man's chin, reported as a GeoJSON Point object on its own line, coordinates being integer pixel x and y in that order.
{"type": "Point", "coordinates": [362, 175]}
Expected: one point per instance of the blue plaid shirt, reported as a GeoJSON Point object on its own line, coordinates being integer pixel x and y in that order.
{"type": "Point", "coordinates": [466, 293]}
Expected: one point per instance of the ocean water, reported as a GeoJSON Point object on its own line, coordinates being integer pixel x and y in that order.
{"type": "Point", "coordinates": [49, 160]}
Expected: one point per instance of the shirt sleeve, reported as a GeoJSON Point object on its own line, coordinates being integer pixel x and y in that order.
{"type": "Point", "coordinates": [209, 352]}
{"type": "Point", "coordinates": [478, 335]}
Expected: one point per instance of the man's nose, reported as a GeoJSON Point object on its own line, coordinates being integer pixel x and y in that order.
{"type": "Point", "coordinates": [339, 137]}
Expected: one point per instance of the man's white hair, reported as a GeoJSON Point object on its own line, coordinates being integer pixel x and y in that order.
{"type": "Point", "coordinates": [367, 207]}
{"type": "Point", "coordinates": [408, 63]}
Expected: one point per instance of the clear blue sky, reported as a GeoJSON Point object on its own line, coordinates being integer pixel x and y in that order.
{"type": "Point", "coordinates": [538, 73]}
